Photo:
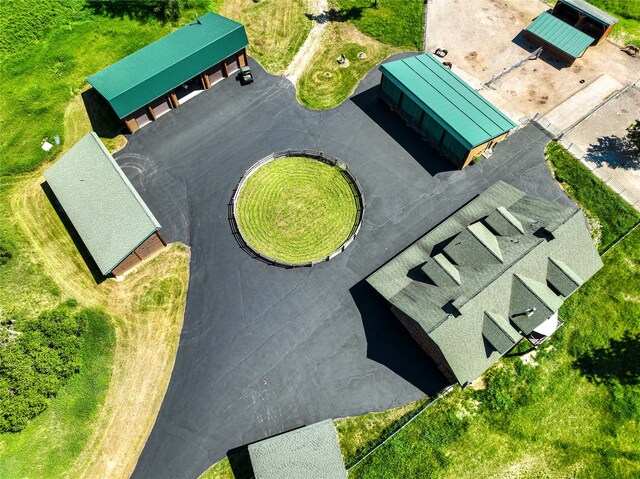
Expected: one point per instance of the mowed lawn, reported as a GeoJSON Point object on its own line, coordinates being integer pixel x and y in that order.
{"type": "Point", "coordinates": [99, 421]}
{"type": "Point", "coordinates": [276, 29]}
{"type": "Point", "coordinates": [365, 35]}
{"type": "Point", "coordinates": [296, 209]}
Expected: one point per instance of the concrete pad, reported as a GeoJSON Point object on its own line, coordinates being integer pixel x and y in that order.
{"type": "Point", "coordinates": [572, 110]}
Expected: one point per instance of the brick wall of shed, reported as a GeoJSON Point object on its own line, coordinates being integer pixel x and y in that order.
{"type": "Point", "coordinates": [151, 245]}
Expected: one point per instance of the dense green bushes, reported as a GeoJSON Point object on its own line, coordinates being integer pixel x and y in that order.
{"type": "Point", "coordinates": [36, 359]}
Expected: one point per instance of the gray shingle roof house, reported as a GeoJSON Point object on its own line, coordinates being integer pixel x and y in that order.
{"type": "Point", "coordinates": [311, 452]}
{"type": "Point", "coordinates": [113, 222]}
{"type": "Point", "coordinates": [492, 273]}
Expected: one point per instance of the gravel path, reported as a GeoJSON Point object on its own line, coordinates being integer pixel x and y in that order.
{"type": "Point", "coordinates": [318, 8]}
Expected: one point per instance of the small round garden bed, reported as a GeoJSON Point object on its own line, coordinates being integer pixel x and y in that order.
{"type": "Point", "coordinates": [297, 208]}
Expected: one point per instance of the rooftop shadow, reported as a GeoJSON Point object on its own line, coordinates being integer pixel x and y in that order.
{"type": "Point", "coordinates": [240, 462]}
{"type": "Point", "coordinates": [390, 344]}
{"type": "Point", "coordinates": [98, 277]}
{"type": "Point", "coordinates": [395, 126]}
{"type": "Point", "coordinates": [525, 44]}
{"type": "Point", "coordinates": [103, 119]}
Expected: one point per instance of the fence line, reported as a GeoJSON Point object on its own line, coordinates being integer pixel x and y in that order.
{"type": "Point", "coordinates": [620, 239]}
{"type": "Point", "coordinates": [440, 395]}
{"type": "Point", "coordinates": [354, 185]}
{"type": "Point", "coordinates": [531, 56]}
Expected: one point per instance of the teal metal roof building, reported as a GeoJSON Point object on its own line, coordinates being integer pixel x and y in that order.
{"type": "Point", "coordinates": [452, 116]}
{"type": "Point", "coordinates": [585, 8]}
{"type": "Point", "coordinates": [552, 31]}
{"type": "Point", "coordinates": [491, 274]}
{"type": "Point", "coordinates": [104, 208]}
{"type": "Point", "coordinates": [137, 80]}
{"type": "Point", "coordinates": [311, 452]}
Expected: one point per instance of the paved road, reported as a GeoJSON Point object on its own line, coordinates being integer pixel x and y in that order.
{"type": "Point", "coordinates": [264, 349]}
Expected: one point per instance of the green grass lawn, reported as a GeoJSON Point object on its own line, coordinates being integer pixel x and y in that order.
{"type": "Point", "coordinates": [51, 441]}
{"type": "Point", "coordinates": [609, 216]}
{"type": "Point", "coordinates": [276, 29]}
{"type": "Point", "coordinates": [325, 83]}
{"type": "Point", "coordinates": [627, 30]}
{"type": "Point", "coordinates": [296, 209]}
{"type": "Point", "coordinates": [395, 22]}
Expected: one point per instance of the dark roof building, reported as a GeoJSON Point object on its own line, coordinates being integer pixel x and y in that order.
{"type": "Point", "coordinates": [450, 115]}
{"type": "Point", "coordinates": [143, 85]}
{"type": "Point", "coordinates": [494, 272]}
{"type": "Point", "coordinates": [311, 452]}
{"type": "Point", "coordinates": [113, 222]}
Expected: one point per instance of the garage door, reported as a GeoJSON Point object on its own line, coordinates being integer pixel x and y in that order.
{"type": "Point", "coordinates": [142, 117]}
{"type": "Point", "coordinates": [215, 73]}
{"type": "Point", "coordinates": [160, 106]}
{"type": "Point", "coordinates": [232, 64]}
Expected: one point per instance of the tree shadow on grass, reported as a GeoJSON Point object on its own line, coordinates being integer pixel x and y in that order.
{"type": "Point", "coordinates": [140, 10]}
{"type": "Point", "coordinates": [335, 15]}
{"type": "Point", "coordinates": [103, 119]}
{"type": "Point", "coordinates": [614, 152]}
{"type": "Point", "coordinates": [617, 362]}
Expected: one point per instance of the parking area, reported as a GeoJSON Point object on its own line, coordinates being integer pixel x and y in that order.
{"type": "Point", "coordinates": [599, 139]}
{"type": "Point", "coordinates": [485, 36]}
{"type": "Point", "coordinates": [265, 349]}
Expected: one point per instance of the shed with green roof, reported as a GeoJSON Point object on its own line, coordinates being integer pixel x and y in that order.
{"type": "Point", "coordinates": [557, 37]}
{"type": "Point", "coordinates": [449, 114]}
{"type": "Point", "coordinates": [111, 219]}
{"type": "Point", "coordinates": [173, 69]}
{"type": "Point", "coordinates": [310, 452]}
{"type": "Point", "coordinates": [494, 272]}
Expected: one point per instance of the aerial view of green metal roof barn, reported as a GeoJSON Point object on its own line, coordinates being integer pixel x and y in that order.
{"type": "Point", "coordinates": [319, 239]}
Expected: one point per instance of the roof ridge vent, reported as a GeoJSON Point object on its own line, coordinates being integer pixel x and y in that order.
{"type": "Point", "coordinates": [486, 238]}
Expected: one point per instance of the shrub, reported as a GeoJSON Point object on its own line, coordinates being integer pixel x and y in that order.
{"type": "Point", "coordinates": [35, 363]}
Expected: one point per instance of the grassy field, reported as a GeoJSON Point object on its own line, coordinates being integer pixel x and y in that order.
{"type": "Point", "coordinates": [69, 418]}
{"type": "Point", "coordinates": [397, 23]}
{"type": "Point", "coordinates": [627, 30]}
{"type": "Point", "coordinates": [296, 209]}
{"type": "Point", "coordinates": [609, 216]}
{"type": "Point", "coordinates": [81, 434]}
{"type": "Point", "coordinates": [325, 83]}
{"type": "Point", "coordinates": [276, 29]}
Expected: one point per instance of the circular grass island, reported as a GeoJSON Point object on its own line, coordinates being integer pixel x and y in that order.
{"type": "Point", "coordinates": [295, 210]}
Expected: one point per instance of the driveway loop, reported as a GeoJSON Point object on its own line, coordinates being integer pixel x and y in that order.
{"type": "Point", "coordinates": [350, 180]}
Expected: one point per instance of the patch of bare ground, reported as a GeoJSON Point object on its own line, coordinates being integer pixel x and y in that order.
{"type": "Point", "coordinates": [485, 36]}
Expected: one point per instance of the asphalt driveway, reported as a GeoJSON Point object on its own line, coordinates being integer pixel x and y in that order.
{"type": "Point", "coordinates": [264, 349]}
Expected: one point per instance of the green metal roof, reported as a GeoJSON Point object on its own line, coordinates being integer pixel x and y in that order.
{"type": "Point", "coordinates": [462, 111]}
{"type": "Point", "coordinates": [311, 452]}
{"type": "Point", "coordinates": [168, 62]}
{"type": "Point", "coordinates": [561, 35]}
{"type": "Point", "coordinates": [590, 11]}
{"type": "Point", "coordinates": [105, 209]}
{"type": "Point", "coordinates": [497, 250]}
